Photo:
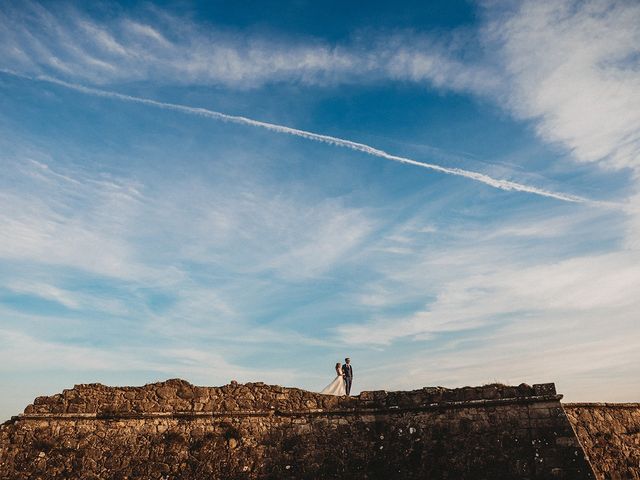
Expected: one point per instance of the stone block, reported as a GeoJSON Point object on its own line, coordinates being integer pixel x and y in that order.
{"type": "Point", "coordinates": [542, 389]}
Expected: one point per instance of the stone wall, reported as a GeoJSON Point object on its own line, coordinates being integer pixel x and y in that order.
{"type": "Point", "coordinates": [610, 436]}
{"type": "Point", "coordinates": [174, 430]}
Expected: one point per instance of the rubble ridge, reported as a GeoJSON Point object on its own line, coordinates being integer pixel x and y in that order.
{"type": "Point", "coordinates": [178, 395]}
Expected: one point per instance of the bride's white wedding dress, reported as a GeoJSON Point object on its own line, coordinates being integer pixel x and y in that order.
{"type": "Point", "coordinates": [336, 387]}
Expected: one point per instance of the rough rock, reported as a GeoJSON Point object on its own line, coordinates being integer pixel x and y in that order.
{"type": "Point", "coordinates": [174, 430]}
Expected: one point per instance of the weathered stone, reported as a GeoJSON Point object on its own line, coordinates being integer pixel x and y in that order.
{"type": "Point", "coordinates": [166, 393]}
{"type": "Point", "coordinates": [610, 436]}
{"type": "Point", "coordinates": [256, 431]}
{"type": "Point", "coordinates": [544, 389]}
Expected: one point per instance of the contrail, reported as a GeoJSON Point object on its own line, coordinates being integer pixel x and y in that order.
{"type": "Point", "coordinates": [339, 142]}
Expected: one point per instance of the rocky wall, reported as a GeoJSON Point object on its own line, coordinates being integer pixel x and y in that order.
{"type": "Point", "coordinates": [610, 436]}
{"type": "Point", "coordinates": [174, 430]}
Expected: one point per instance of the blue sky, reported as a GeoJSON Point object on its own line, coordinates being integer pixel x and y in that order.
{"type": "Point", "coordinates": [144, 241]}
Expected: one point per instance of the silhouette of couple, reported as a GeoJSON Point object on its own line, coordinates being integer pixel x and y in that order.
{"type": "Point", "coordinates": [341, 385]}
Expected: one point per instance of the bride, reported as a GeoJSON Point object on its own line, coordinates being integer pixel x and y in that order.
{"type": "Point", "coordinates": [337, 386]}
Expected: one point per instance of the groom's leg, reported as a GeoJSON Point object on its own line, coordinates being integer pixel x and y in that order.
{"type": "Point", "coordinates": [348, 385]}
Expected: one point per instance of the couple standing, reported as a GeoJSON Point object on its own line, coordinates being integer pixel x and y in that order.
{"type": "Point", "coordinates": [341, 385]}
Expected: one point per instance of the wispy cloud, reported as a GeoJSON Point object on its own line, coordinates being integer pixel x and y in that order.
{"type": "Point", "coordinates": [586, 286]}
{"type": "Point", "coordinates": [44, 290]}
{"type": "Point", "coordinates": [186, 275]}
{"type": "Point", "coordinates": [24, 353]}
{"type": "Point", "coordinates": [572, 67]}
{"type": "Point", "coordinates": [95, 221]}
{"type": "Point", "coordinates": [220, 270]}
{"type": "Point", "coordinates": [161, 47]}
{"type": "Point", "coordinates": [501, 313]}
{"type": "Point", "coordinates": [524, 58]}
{"type": "Point", "coordinates": [39, 223]}
{"type": "Point", "coordinates": [501, 184]}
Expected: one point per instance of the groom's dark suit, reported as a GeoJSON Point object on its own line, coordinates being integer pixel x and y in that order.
{"type": "Point", "coordinates": [348, 377]}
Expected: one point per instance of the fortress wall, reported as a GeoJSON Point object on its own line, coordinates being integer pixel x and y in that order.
{"type": "Point", "coordinates": [173, 430]}
{"type": "Point", "coordinates": [610, 436]}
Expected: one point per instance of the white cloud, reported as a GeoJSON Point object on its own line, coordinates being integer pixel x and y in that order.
{"type": "Point", "coordinates": [497, 286]}
{"type": "Point", "coordinates": [510, 304]}
{"type": "Point", "coordinates": [20, 352]}
{"type": "Point", "coordinates": [569, 66]}
{"type": "Point", "coordinates": [99, 224]}
{"type": "Point", "coordinates": [588, 362]}
{"type": "Point", "coordinates": [254, 229]}
{"type": "Point", "coordinates": [44, 290]}
{"type": "Point", "coordinates": [329, 233]}
{"type": "Point", "coordinates": [41, 222]}
{"type": "Point", "coordinates": [570, 321]}
{"type": "Point", "coordinates": [572, 67]}
{"type": "Point", "coordinates": [211, 251]}
{"type": "Point", "coordinates": [33, 282]}
{"type": "Point", "coordinates": [632, 233]}
{"type": "Point", "coordinates": [35, 39]}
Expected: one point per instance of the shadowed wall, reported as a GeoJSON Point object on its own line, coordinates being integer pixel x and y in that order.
{"type": "Point", "coordinates": [174, 430]}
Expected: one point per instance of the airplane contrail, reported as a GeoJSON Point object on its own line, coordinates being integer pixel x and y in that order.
{"type": "Point", "coordinates": [336, 141]}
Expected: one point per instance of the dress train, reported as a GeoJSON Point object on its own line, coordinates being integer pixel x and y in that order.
{"type": "Point", "coordinates": [336, 387]}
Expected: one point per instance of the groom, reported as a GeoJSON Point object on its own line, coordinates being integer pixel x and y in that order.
{"type": "Point", "coordinates": [348, 374]}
